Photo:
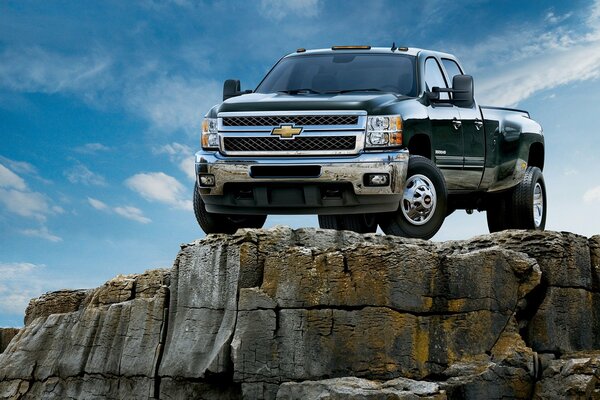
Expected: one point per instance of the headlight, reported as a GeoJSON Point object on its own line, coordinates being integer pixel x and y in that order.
{"type": "Point", "coordinates": [384, 131]}
{"type": "Point", "coordinates": [209, 138]}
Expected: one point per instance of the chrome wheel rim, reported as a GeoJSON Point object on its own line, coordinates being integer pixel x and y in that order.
{"type": "Point", "coordinates": [538, 205]}
{"type": "Point", "coordinates": [419, 200]}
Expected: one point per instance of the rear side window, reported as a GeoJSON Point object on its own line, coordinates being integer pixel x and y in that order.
{"type": "Point", "coordinates": [434, 77]}
{"type": "Point", "coordinates": [452, 68]}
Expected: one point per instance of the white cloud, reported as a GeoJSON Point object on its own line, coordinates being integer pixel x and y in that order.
{"type": "Point", "coordinates": [168, 101]}
{"type": "Point", "coordinates": [295, 8]}
{"type": "Point", "coordinates": [592, 195]}
{"type": "Point", "coordinates": [25, 203]}
{"type": "Point", "coordinates": [560, 67]}
{"type": "Point", "coordinates": [97, 204]}
{"type": "Point", "coordinates": [19, 282]}
{"type": "Point", "coordinates": [511, 67]}
{"type": "Point", "coordinates": [22, 167]}
{"type": "Point", "coordinates": [34, 69]}
{"type": "Point", "coordinates": [594, 14]}
{"type": "Point", "coordinates": [129, 212]}
{"type": "Point", "coordinates": [16, 198]}
{"type": "Point", "coordinates": [79, 173]}
{"type": "Point", "coordinates": [160, 187]}
{"type": "Point", "coordinates": [552, 18]}
{"type": "Point", "coordinates": [22, 281]}
{"type": "Point", "coordinates": [91, 148]}
{"type": "Point", "coordinates": [9, 179]}
{"type": "Point", "coordinates": [174, 103]}
{"type": "Point", "coordinates": [146, 86]}
{"type": "Point", "coordinates": [43, 233]}
{"type": "Point", "coordinates": [182, 155]}
{"type": "Point", "coordinates": [132, 213]}
{"type": "Point", "coordinates": [16, 270]}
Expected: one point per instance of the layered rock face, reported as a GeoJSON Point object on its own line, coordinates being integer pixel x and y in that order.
{"type": "Point", "coordinates": [309, 313]}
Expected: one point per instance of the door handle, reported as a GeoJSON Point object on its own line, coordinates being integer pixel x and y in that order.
{"type": "Point", "coordinates": [456, 124]}
{"type": "Point", "coordinates": [478, 123]}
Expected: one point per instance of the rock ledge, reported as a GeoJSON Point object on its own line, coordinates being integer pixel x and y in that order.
{"type": "Point", "coordinates": [310, 313]}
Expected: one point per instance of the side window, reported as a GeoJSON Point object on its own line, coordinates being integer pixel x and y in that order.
{"type": "Point", "coordinates": [434, 77]}
{"type": "Point", "coordinates": [452, 68]}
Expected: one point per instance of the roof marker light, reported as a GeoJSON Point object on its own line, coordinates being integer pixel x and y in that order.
{"type": "Point", "coordinates": [351, 48]}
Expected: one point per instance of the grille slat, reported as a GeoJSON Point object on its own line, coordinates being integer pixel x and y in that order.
{"type": "Point", "coordinates": [307, 143]}
{"type": "Point", "coordinates": [303, 120]}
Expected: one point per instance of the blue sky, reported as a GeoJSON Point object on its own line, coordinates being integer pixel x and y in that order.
{"type": "Point", "coordinates": [101, 104]}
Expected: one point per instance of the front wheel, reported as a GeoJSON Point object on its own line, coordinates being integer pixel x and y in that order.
{"type": "Point", "coordinates": [422, 209]}
{"type": "Point", "coordinates": [223, 223]}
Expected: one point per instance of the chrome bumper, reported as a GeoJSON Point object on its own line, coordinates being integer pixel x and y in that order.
{"type": "Point", "coordinates": [339, 170]}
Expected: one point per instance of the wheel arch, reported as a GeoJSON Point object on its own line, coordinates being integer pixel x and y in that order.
{"type": "Point", "coordinates": [420, 145]}
{"type": "Point", "coordinates": [536, 155]}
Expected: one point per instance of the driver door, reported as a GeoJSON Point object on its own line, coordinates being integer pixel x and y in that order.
{"type": "Point", "coordinates": [446, 129]}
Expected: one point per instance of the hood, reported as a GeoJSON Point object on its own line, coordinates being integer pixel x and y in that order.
{"type": "Point", "coordinates": [372, 103]}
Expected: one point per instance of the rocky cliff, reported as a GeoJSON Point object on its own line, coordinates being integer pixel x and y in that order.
{"type": "Point", "coordinates": [309, 313]}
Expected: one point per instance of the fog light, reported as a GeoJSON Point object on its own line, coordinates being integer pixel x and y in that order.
{"type": "Point", "coordinates": [207, 180]}
{"type": "Point", "coordinates": [377, 179]}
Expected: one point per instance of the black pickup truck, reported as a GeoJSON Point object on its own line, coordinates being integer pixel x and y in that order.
{"type": "Point", "coordinates": [363, 137]}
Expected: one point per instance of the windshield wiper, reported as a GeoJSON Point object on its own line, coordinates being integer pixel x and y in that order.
{"type": "Point", "coordinates": [356, 90]}
{"type": "Point", "coordinates": [297, 91]}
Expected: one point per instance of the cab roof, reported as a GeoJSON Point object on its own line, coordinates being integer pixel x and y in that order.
{"type": "Point", "coordinates": [412, 51]}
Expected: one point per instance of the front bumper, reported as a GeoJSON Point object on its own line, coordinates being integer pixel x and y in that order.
{"type": "Point", "coordinates": [338, 187]}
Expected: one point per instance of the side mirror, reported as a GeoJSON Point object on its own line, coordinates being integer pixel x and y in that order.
{"type": "Point", "coordinates": [434, 95]}
{"type": "Point", "coordinates": [231, 88]}
{"type": "Point", "coordinates": [462, 91]}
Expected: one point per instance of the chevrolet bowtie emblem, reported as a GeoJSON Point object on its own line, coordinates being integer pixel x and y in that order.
{"type": "Point", "coordinates": [286, 131]}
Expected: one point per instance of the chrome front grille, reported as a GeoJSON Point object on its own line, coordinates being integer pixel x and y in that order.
{"type": "Point", "coordinates": [331, 132]}
{"type": "Point", "coordinates": [300, 143]}
{"type": "Point", "coordinates": [302, 120]}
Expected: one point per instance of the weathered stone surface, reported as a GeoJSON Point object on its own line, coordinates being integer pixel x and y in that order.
{"type": "Point", "coordinates": [6, 335]}
{"type": "Point", "coordinates": [117, 290]}
{"type": "Point", "coordinates": [60, 302]}
{"type": "Point", "coordinates": [376, 310]}
{"type": "Point", "coordinates": [570, 378]}
{"type": "Point", "coordinates": [402, 277]}
{"type": "Point", "coordinates": [375, 342]}
{"type": "Point", "coordinates": [310, 313]}
{"type": "Point", "coordinates": [509, 372]}
{"type": "Point", "coordinates": [203, 308]}
{"type": "Point", "coordinates": [186, 389]}
{"type": "Point", "coordinates": [86, 387]}
{"type": "Point", "coordinates": [360, 389]}
{"type": "Point", "coordinates": [568, 320]}
{"type": "Point", "coordinates": [102, 350]}
{"type": "Point", "coordinates": [569, 292]}
{"type": "Point", "coordinates": [563, 257]}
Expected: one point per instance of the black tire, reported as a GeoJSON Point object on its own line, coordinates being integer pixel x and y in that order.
{"type": "Point", "coordinates": [398, 224]}
{"type": "Point", "coordinates": [497, 212]}
{"type": "Point", "coordinates": [221, 223]}
{"type": "Point", "coordinates": [524, 204]}
{"type": "Point", "coordinates": [361, 223]}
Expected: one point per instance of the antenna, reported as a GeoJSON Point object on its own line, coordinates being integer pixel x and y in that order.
{"type": "Point", "coordinates": [393, 46]}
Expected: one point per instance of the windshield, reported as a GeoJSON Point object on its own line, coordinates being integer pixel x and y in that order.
{"type": "Point", "coordinates": [342, 73]}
